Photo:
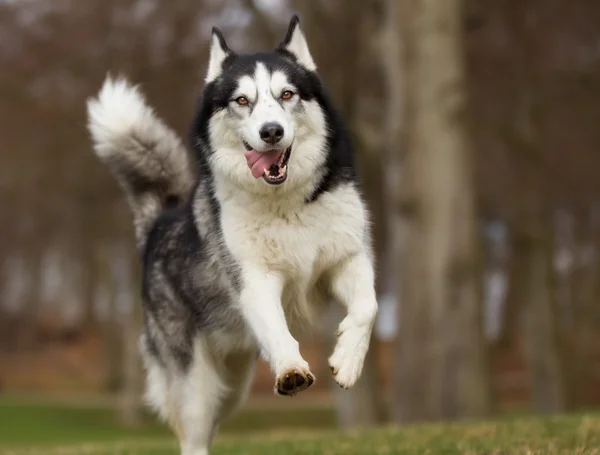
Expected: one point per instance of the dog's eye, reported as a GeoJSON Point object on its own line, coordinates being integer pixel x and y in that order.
{"type": "Point", "coordinates": [287, 95]}
{"type": "Point", "coordinates": [242, 100]}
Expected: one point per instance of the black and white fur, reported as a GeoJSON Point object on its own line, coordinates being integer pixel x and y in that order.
{"type": "Point", "coordinates": [233, 265]}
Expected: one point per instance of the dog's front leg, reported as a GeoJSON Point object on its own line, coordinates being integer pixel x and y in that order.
{"type": "Point", "coordinates": [261, 307]}
{"type": "Point", "coordinates": [353, 284]}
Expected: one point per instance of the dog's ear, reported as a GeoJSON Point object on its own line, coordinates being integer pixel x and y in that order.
{"type": "Point", "coordinates": [295, 43]}
{"type": "Point", "coordinates": [219, 51]}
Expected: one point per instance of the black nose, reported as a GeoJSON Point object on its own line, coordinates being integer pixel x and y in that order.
{"type": "Point", "coordinates": [271, 133]}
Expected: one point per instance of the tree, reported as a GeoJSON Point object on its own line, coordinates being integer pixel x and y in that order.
{"type": "Point", "coordinates": [353, 78]}
{"type": "Point", "coordinates": [133, 379]}
{"type": "Point", "coordinates": [533, 224]}
{"type": "Point", "coordinates": [441, 351]}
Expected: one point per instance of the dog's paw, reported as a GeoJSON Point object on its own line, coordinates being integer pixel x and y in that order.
{"type": "Point", "coordinates": [346, 362]}
{"type": "Point", "coordinates": [293, 380]}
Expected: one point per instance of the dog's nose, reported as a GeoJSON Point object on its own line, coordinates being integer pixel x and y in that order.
{"type": "Point", "coordinates": [271, 133]}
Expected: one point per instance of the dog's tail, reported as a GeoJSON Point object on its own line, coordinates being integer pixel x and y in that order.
{"type": "Point", "coordinates": [143, 154]}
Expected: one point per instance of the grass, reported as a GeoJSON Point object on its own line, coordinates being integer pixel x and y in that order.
{"type": "Point", "coordinates": [36, 429]}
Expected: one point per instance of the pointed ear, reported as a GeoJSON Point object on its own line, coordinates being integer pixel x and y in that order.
{"type": "Point", "coordinates": [295, 43]}
{"type": "Point", "coordinates": [219, 51]}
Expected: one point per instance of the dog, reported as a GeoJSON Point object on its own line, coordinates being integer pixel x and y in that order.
{"type": "Point", "coordinates": [245, 236]}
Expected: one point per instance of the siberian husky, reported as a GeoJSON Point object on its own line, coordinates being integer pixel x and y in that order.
{"type": "Point", "coordinates": [245, 236]}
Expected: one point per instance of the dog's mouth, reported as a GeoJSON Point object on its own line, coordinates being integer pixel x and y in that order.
{"type": "Point", "coordinates": [272, 165]}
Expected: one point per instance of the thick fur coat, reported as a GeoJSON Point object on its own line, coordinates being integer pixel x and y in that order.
{"type": "Point", "coordinates": [245, 237]}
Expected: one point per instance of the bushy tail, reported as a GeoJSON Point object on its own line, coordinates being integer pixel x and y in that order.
{"type": "Point", "coordinates": [145, 155]}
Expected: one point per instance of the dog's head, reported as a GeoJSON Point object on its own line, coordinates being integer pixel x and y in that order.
{"type": "Point", "coordinates": [263, 115]}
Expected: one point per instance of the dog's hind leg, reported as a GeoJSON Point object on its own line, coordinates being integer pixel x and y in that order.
{"type": "Point", "coordinates": [238, 373]}
{"type": "Point", "coordinates": [210, 389]}
{"type": "Point", "coordinates": [200, 391]}
{"type": "Point", "coordinates": [239, 368]}
{"type": "Point", "coordinates": [194, 398]}
{"type": "Point", "coordinates": [163, 391]}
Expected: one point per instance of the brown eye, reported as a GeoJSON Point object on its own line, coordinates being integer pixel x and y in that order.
{"type": "Point", "coordinates": [287, 95]}
{"type": "Point", "coordinates": [242, 101]}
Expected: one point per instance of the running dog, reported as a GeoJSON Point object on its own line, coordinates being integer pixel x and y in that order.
{"type": "Point", "coordinates": [245, 236]}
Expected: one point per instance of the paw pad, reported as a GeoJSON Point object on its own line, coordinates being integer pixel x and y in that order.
{"type": "Point", "coordinates": [293, 381]}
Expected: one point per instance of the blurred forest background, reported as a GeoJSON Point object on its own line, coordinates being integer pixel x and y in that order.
{"type": "Point", "coordinates": [477, 125]}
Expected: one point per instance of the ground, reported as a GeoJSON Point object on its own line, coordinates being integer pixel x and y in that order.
{"type": "Point", "coordinates": [30, 428]}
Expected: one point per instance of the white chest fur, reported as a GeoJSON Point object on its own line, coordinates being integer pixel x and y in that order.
{"type": "Point", "coordinates": [301, 241]}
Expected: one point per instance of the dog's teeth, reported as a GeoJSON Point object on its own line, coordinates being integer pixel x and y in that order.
{"type": "Point", "coordinates": [267, 173]}
{"type": "Point", "coordinates": [283, 170]}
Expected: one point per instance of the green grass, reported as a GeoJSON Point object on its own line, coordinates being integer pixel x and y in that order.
{"type": "Point", "coordinates": [55, 430]}
{"type": "Point", "coordinates": [20, 425]}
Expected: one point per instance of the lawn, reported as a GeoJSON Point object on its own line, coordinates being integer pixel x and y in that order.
{"type": "Point", "coordinates": [73, 430]}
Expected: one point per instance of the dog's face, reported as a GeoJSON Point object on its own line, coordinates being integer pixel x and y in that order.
{"type": "Point", "coordinates": [266, 126]}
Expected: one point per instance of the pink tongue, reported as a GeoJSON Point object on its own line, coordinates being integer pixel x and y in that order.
{"type": "Point", "coordinates": [258, 161]}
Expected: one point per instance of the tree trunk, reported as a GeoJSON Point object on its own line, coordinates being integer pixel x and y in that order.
{"type": "Point", "coordinates": [513, 306]}
{"type": "Point", "coordinates": [542, 334]}
{"type": "Point", "coordinates": [582, 280]}
{"type": "Point", "coordinates": [31, 300]}
{"type": "Point", "coordinates": [363, 405]}
{"type": "Point", "coordinates": [130, 395]}
{"type": "Point", "coordinates": [533, 224]}
{"type": "Point", "coordinates": [534, 291]}
{"type": "Point", "coordinates": [442, 351]}
{"type": "Point", "coordinates": [396, 63]}
{"type": "Point", "coordinates": [112, 327]}
{"type": "Point", "coordinates": [89, 284]}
